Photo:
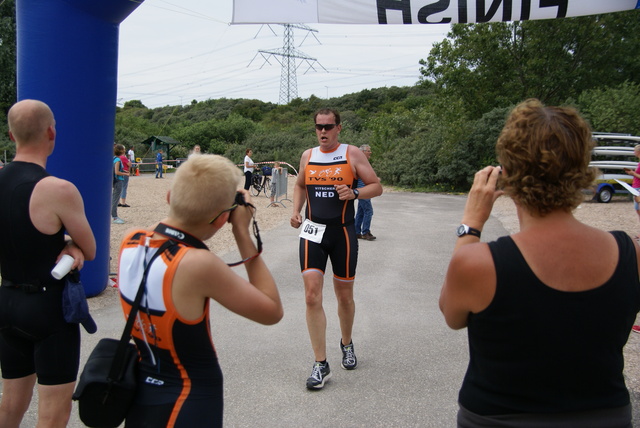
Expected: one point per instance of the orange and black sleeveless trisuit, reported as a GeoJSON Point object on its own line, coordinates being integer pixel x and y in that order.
{"type": "Point", "coordinates": [179, 380]}
{"type": "Point", "coordinates": [323, 171]}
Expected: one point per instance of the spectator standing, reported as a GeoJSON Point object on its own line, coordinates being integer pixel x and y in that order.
{"type": "Point", "coordinates": [180, 358]}
{"type": "Point", "coordinates": [118, 182]}
{"type": "Point", "coordinates": [636, 202]}
{"type": "Point", "coordinates": [132, 158]}
{"type": "Point", "coordinates": [196, 151]}
{"type": "Point", "coordinates": [36, 213]}
{"type": "Point", "coordinates": [636, 183]}
{"type": "Point", "coordinates": [329, 231]}
{"type": "Point", "coordinates": [365, 209]}
{"type": "Point", "coordinates": [548, 309]}
{"type": "Point", "coordinates": [159, 169]}
{"type": "Point", "coordinates": [126, 168]}
{"type": "Point", "coordinates": [248, 169]}
{"type": "Point", "coordinates": [276, 177]}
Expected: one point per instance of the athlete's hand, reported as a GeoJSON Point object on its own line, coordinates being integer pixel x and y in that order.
{"type": "Point", "coordinates": [345, 193]}
{"type": "Point", "coordinates": [296, 220]}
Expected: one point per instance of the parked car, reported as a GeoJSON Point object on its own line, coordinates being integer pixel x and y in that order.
{"type": "Point", "coordinates": [612, 154]}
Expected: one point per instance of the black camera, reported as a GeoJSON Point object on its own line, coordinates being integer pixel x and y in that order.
{"type": "Point", "coordinates": [499, 182]}
{"type": "Point", "coordinates": [240, 199]}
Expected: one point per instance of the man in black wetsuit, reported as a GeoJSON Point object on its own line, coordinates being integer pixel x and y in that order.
{"type": "Point", "coordinates": [37, 210]}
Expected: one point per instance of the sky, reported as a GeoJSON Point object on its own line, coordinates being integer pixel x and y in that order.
{"type": "Point", "coordinates": [174, 51]}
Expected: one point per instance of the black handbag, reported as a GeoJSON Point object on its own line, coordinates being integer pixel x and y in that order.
{"type": "Point", "coordinates": [107, 385]}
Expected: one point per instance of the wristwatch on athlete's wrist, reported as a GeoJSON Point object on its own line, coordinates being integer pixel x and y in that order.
{"type": "Point", "coordinates": [463, 229]}
{"type": "Point", "coordinates": [356, 193]}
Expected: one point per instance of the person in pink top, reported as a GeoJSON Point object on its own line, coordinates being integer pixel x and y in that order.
{"type": "Point", "coordinates": [636, 182]}
{"type": "Point", "coordinates": [636, 199]}
{"type": "Point", "coordinates": [126, 166]}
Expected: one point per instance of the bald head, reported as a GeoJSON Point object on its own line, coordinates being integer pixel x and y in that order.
{"type": "Point", "coordinates": [29, 121]}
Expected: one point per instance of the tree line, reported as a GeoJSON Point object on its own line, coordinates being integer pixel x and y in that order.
{"type": "Point", "coordinates": [435, 134]}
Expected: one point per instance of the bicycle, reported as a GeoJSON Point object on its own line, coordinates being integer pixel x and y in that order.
{"type": "Point", "coordinates": [260, 183]}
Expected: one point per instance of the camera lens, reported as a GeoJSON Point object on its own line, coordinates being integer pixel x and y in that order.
{"type": "Point", "coordinates": [240, 199]}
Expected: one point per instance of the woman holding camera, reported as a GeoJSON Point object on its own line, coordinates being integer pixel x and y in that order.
{"type": "Point", "coordinates": [548, 309]}
{"type": "Point", "coordinates": [180, 380]}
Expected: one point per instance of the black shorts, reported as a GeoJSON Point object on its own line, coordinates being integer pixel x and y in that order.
{"type": "Point", "coordinates": [161, 406]}
{"type": "Point", "coordinates": [35, 338]}
{"type": "Point", "coordinates": [339, 244]}
{"type": "Point", "coordinates": [193, 413]}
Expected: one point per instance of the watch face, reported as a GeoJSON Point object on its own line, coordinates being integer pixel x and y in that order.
{"type": "Point", "coordinates": [461, 230]}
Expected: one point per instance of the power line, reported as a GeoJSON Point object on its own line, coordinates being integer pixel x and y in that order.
{"type": "Point", "coordinates": [194, 66]}
{"type": "Point", "coordinates": [287, 56]}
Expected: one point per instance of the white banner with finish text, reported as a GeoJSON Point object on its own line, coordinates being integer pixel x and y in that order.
{"type": "Point", "coordinates": [417, 11]}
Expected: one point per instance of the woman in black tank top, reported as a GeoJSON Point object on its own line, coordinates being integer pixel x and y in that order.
{"type": "Point", "coordinates": [548, 309]}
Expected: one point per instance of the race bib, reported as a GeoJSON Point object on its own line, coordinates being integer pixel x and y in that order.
{"type": "Point", "coordinates": [312, 231]}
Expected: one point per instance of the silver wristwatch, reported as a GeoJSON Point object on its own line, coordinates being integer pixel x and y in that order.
{"type": "Point", "coordinates": [463, 229]}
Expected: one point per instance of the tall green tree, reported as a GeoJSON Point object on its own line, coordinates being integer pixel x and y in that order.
{"type": "Point", "coordinates": [496, 64]}
{"type": "Point", "coordinates": [613, 109]}
{"type": "Point", "coordinates": [7, 73]}
{"type": "Point", "coordinates": [7, 55]}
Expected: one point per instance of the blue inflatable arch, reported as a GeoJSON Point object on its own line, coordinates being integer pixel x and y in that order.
{"type": "Point", "coordinates": [68, 58]}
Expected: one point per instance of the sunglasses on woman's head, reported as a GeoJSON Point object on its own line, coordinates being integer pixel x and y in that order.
{"type": "Point", "coordinates": [231, 208]}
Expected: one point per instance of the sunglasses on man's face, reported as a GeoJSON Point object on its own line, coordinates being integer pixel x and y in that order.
{"type": "Point", "coordinates": [328, 126]}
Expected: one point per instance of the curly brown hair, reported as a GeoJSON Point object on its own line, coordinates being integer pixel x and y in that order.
{"type": "Point", "coordinates": [545, 153]}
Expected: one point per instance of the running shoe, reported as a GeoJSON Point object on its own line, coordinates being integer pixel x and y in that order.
{"type": "Point", "coordinates": [319, 375]}
{"type": "Point", "coordinates": [349, 360]}
{"type": "Point", "coordinates": [118, 220]}
{"type": "Point", "coordinates": [635, 329]}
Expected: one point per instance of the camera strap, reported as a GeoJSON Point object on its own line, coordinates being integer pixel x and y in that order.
{"type": "Point", "coordinates": [191, 241]}
{"type": "Point", "coordinates": [180, 236]}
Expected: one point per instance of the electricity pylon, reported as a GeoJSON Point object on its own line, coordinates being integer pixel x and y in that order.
{"type": "Point", "coordinates": [287, 56]}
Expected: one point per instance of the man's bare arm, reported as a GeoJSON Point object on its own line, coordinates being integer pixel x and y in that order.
{"type": "Point", "coordinates": [57, 203]}
{"type": "Point", "coordinates": [299, 195]}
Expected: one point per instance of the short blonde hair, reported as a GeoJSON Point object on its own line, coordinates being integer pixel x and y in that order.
{"type": "Point", "coordinates": [545, 153]}
{"type": "Point", "coordinates": [203, 186]}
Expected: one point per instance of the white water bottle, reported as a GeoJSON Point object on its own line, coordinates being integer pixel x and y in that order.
{"type": "Point", "coordinates": [63, 267]}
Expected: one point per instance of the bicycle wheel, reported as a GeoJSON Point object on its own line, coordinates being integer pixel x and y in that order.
{"type": "Point", "coordinates": [266, 188]}
{"type": "Point", "coordinates": [255, 185]}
